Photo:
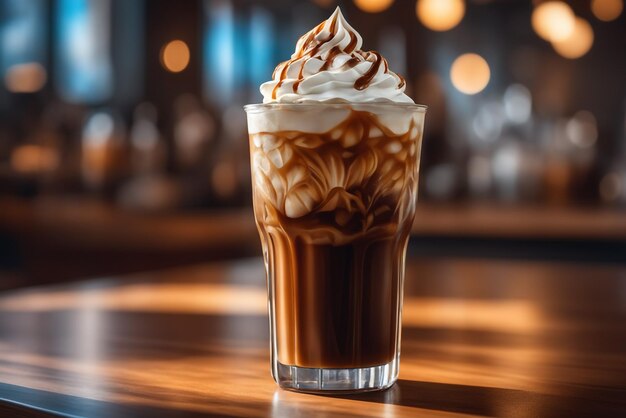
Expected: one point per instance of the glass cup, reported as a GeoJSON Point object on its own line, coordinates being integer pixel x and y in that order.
{"type": "Point", "coordinates": [334, 193]}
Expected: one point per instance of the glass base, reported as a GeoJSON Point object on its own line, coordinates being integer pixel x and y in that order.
{"type": "Point", "coordinates": [355, 380]}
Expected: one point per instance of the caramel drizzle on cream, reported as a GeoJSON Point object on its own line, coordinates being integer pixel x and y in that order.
{"type": "Point", "coordinates": [363, 82]}
{"type": "Point", "coordinates": [310, 47]}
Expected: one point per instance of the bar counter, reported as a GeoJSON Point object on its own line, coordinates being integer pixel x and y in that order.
{"type": "Point", "coordinates": [481, 337]}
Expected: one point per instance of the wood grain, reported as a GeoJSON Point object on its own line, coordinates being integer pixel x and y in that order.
{"type": "Point", "coordinates": [480, 338]}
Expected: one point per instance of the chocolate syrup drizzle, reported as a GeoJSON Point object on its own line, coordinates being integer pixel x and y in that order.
{"type": "Point", "coordinates": [311, 47]}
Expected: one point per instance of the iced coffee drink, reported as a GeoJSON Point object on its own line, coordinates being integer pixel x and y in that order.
{"type": "Point", "coordinates": [335, 157]}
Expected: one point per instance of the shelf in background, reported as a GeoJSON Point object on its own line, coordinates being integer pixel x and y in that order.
{"type": "Point", "coordinates": [537, 222]}
{"type": "Point", "coordinates": [100, 223]}
{"type": "Point", "coordinates": [50, 239]}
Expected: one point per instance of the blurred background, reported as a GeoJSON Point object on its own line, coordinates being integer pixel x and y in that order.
{"type": "Point", "coordinates": [123, 142]}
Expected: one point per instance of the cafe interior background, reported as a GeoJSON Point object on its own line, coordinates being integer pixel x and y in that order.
{"type": "Point", "coordinates": [123, 143]}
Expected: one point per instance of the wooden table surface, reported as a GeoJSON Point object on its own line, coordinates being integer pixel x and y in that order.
{"type": "Point", "coordinates": [480, 338]}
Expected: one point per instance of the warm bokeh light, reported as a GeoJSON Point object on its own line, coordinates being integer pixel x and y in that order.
{"type": "Point", "coordinates": [607, 10]}
{"type": "Point", "coordinates": [578, 43]}
{"type": "Point", "coordinates": [30, 159]}
{"type": "Point", "coordinates": [470, 73]}
{"type": "Point", "coordinates": [373, 6]}
{"type": "Point", "coordinates": [440, 15]}
{"type": "Point", "coordinates": [25, 78]}
{"type": "Point", "coordinates": [553, 20]}
{"type": "Point", "coordinates": [175, 56]}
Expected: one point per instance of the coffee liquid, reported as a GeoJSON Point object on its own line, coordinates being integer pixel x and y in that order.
{"type": "Point", "coordinates": [334, 212]}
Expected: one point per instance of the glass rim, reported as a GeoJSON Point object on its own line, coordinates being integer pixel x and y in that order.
{"type": "Point", "coordinates": [302, 105]}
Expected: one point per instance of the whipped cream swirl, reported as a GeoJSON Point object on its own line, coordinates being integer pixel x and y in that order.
{"type": "Point", "coordinates": [328, 64]}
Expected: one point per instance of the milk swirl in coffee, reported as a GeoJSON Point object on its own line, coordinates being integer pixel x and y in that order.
{"type": "Point", "coordinates": [335, 161]}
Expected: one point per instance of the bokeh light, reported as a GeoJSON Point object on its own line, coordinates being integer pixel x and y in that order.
{"type": "Point", "coordinates": [373, 6]}
{"type": "Point", "coordinates": [470, 73]}
{"type": "Point", "coordinates": [553, 20]}
{"type": "Point", "coordinates": [31, 159]}
{"type": "Point", "coordinates": [607, 10]}
{"type": "Point", "coordinates": [582, 129]}
{"type": "Point", "coordinates": [102, 148]}
{"type": "Point", "coordinates": [25, 78]}
{"type": "Point", "coordinates": [175, 56]}
{"type": "Point", "coordinates": [488, 123]}
{"type": "Point", "coordinates": [440, 15]}
{"type": "Point", "coordinates": [506, 166]}
{"type": "Point", "coordinates": [98, 129]}
{"type": "Point", "coordinates": [578, 43]}
{"type": "Point", "coordinates": [517, 103]}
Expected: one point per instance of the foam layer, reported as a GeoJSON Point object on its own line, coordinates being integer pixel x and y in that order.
{"type": "Point", "coordinates": [319, 119]}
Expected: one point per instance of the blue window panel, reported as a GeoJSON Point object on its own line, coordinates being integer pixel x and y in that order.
{"type": "Point", "coordinates": [22, 32]}
{"type": "Point", "coordinates": [84, 71]}
{"type": "Point", "coordinates": [226, 46]}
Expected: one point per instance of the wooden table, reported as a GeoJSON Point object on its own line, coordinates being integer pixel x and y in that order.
{"type": "Point", "coordinates": [480, 338]}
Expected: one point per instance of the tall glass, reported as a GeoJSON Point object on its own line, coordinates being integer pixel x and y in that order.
{"type": "Point", "coordinates": [334, 192]}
